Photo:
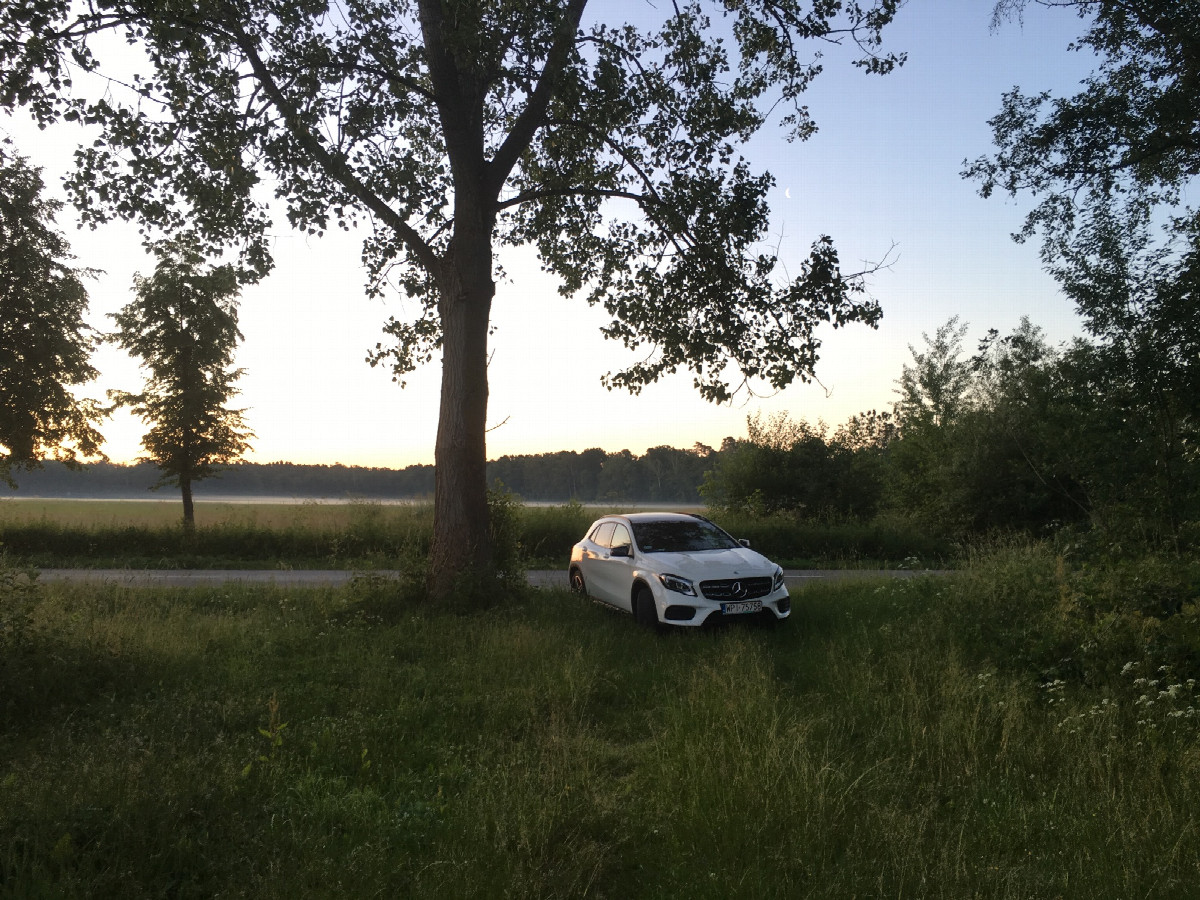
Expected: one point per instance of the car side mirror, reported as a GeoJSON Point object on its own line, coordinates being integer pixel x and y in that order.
{"type": "Point", "coordinates": [622, 552]}
{"type": "Point", "coordinates": [744, 542]}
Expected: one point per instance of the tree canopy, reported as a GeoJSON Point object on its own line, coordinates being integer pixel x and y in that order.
{"type": "Point", "coordinates": [1129, 140]}
{"type": "Point", "coordinates": [1111, 169]}
{"type": "Point", "coordinates": [45, 346]}
{"type": "Point", "coordinates": [454, 127]}
{"type": "Point", "coordinates": [182, 326]}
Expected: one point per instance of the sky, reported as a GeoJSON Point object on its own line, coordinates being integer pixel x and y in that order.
{"type": "Point", "coordinates": [881, 177]}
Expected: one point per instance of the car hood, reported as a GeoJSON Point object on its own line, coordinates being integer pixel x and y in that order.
{"type": "Point", "coordinates": [739, 562]}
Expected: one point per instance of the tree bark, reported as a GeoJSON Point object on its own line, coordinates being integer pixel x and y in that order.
{"type": "Point", "coordinates": [460, 556]}
{"type": "Point", "coordinates": [189, 508]}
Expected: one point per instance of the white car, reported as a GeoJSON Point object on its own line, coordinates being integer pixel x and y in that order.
{"type": "Point", "coordinates": [675, 569]}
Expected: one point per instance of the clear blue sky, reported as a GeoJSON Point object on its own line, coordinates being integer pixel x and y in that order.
{"type": "Point", "coordinates": [882, 170]}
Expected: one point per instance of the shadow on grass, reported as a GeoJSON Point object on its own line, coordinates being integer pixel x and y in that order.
{"type": "Point", "coordinates": [49, 679]}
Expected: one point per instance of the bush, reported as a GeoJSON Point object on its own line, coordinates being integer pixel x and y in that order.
{"type": "Point", "coordinates": [504, 529]}
{"type": "Point", "coordinates": [549, 532]}
{"type": "Point", "coordinates": [807, 543]}
{"type": "Point", "coordinates": [18, 597]}
{"type": "Point", "coordinates": [1083, 621]}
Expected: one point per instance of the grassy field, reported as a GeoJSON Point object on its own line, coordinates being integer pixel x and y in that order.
{"type": "Point", "coordinates": [370, 535]}
{"type": "Point", "coordinates": [358, 535]}
{"type": "Point", "coordinates": [1020, 729]}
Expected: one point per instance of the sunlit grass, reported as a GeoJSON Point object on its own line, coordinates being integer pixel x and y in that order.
{"type": "Point", "coordinates": [137, 534]}
{"type": "Point", "coordinates": [168, 512]}
{"type": "Point", "coordinates": [893, 739]}
{"type": "Point", "coordinates": [358, 535]}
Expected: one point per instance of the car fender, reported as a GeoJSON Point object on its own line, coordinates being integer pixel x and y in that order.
{"type": "Point", "coordinates": [651, 583]}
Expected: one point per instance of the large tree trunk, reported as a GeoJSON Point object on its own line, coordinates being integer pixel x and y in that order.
{"type": "Point", "coordinates": [460, 556]}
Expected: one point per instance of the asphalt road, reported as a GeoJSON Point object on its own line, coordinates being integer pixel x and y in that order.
{"type": "Point", "coordinates": [543, 578]}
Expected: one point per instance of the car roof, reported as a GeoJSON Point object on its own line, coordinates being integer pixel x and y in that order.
{"type": "Point", "coordinates": [655, 516]}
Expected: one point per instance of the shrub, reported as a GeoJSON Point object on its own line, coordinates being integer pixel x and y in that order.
{"type": "Point", "coordinates": [806, 542]}
{"type": "Point", "coordinates": [1083, 620]}
{"type": "Point", "coordinates": [18, 597]}
{"type": "Point", "coordinates": [549, 532]}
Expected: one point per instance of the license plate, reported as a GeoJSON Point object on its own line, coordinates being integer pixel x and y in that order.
{"type": "Point", "coordinates": [743, 606]}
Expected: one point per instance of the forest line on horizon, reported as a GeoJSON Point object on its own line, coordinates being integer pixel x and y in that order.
{"type": "Point", "coordinates": [664, 473]}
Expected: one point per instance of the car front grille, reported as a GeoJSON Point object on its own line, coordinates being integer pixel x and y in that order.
{"type": "Point", "coordinates": [736, 588]}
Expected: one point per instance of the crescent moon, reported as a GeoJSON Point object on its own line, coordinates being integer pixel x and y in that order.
{"type": "Point", "coordinates": [787, 192]}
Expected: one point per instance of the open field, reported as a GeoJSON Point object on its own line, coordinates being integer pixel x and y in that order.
{"type": "Point", "coordinates": [165, 511]}
{"type": "Point", "coordinates": [974, 735]}
{"type": "Point", "coordinates": [365, 535]}
{"type": "Point", "coordinates": [359, 535]}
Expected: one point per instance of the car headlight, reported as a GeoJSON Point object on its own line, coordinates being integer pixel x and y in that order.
{"type": "Point", "coordinates": [778, 583]}
{"type": "Point", "coordinates": [677, 584]}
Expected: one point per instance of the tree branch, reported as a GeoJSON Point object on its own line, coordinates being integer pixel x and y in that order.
{"type": "Point", "coordinates": [458, 111]}
{"type": "Point", "coordinates": [332, 164]}
{"type": "Point", "coordinates": [542, 193]}
{"type": "Point", "coordinates": [533, 116]}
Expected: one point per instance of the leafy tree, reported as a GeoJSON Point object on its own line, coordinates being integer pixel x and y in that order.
{"type": "Point", "coordinates": [1141, 297]}
{"type": "Point", "coordinates": [869, 430]}
{"type": "Point", "coordinates": [673, 474]}
{"type": "Point", "coordinates": [1111, 168]}
{"type": "Point", "coordinates": [790, 466]}
{"type": "Point", "coordinates": [867, 437]}
{"type": "Point", "coordinates": [1130, 138]}
{"type": "Point", "coordinates": [45, 347]}
{"type": "Point", "coordinates": [458, 126]}
{"type": "Point", "coordinates": [183, 327]}
{"type": "Point", "coordinates": [985, 443]}
{"type": "Point", "coordinates": [621, 478]}
{"type": "Point", "coordinates": [1015, 444]}
{"type": "Point", "coordinates": [933, 388]}
{"type": "Point", "coordinates": [933, 392]}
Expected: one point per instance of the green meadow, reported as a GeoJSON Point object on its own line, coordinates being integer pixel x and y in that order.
{"type": "Point", "coordinates": [365, 535]}
{"type": "Point", "coordinates": [1022, 728]}
{"type": "Point", "coordinates": [362, 534]}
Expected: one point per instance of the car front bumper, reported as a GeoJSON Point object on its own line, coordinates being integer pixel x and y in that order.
{"type": "Point", "coordinates": [685, 610]}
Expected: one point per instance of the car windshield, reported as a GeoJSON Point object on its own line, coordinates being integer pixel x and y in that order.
{"type": "Point", "coordinates": [680, 536]}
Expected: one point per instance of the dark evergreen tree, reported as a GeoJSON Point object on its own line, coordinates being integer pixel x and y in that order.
{"type": "Point", "coordinates": [45, 346]}
{"type": "Point", "coordinates": [182, 325]}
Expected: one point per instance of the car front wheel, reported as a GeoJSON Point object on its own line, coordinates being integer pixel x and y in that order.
{"type": "Point", "coordinates": [644, 610]}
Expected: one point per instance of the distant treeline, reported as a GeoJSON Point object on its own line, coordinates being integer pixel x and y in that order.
{"type": "Point", "coordinates": [277, 479]}
{"type": "Point", "coordinates": [663, 473]}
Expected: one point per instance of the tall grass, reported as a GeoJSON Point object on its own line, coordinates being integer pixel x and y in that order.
{"type": "Point", "coordinates": [362, 534]}
{"type": "Point", "coordinates": [894, 738]}
{"type": "Point", "coordinates": [366, 534]}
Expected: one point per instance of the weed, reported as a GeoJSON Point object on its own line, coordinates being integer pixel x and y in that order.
{"type": "Point", "coordinates": [273, 734]}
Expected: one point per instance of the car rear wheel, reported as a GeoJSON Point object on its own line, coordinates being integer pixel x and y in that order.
{"type": "Point", "coordinates": [644, 611]}
{"type": "Point", "coordinates": [577, 584]}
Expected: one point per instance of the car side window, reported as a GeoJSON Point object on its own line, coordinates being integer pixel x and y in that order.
{"type": "Point", "coordinates": [620, 537]}
{"type": "Point", "coordinates": [602, 536]}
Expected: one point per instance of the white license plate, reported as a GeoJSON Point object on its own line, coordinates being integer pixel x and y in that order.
{"type": "Point", "coordinates": [744, 606]}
